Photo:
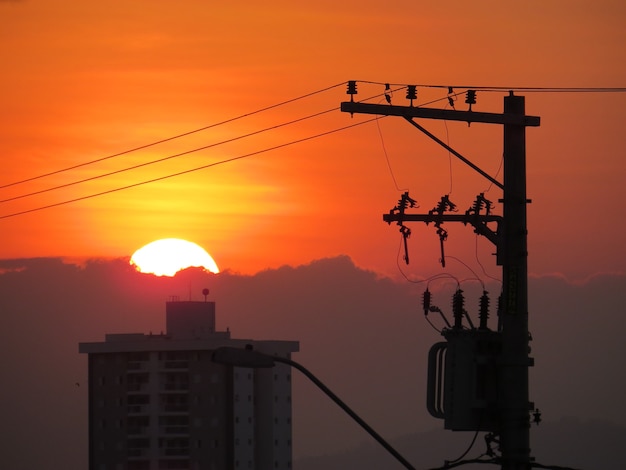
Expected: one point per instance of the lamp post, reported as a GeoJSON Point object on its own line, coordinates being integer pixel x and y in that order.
{"type": "Point", "coordinates": [248, 357]}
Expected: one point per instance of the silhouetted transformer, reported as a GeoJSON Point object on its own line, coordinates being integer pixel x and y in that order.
{"type": "Point", "coordinates": [463, 379]}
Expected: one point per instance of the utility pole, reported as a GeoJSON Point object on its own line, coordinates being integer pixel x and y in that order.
{"type": "Point", "coordinates": [509, 416]}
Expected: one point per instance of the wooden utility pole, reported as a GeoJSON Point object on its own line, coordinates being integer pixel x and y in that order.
{"type": "Point", "coordinates": [513, 408]}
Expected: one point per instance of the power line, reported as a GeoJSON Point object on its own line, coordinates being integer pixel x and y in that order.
{"type": "Point", "coordinates": [168, 139]}
{"type": "Point", "coordinates": [180, 154]}
{"type": "Point", "coordinates": [153, 180]}
{"type": "Point", "coordinates": [169, 157]}
{"type": "Point", "coordinates": [510, 88]}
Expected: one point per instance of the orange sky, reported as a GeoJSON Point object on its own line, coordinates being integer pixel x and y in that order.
{"type": "Point", "coordinates": [82, 81]}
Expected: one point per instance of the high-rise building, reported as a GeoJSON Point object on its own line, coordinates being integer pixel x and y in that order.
{"type": "Point", "coordinates": [159, 402]}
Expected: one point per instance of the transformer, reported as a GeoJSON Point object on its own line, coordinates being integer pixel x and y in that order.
{"type": "Point", "coordinates": [463, 379]}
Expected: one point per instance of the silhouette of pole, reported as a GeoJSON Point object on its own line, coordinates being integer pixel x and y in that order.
{"type": "Point", "coordinates": [514, 402]}
{"type": "Point", "coordinates": [513, 412]}
{"type": "Point", "coordinates": [255, 359]}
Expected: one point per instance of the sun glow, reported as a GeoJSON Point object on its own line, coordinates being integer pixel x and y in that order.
{"type": "Point", "coordinates": [168, 256]}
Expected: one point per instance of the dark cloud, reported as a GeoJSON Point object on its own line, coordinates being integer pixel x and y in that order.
{"type": "Point", "coordinates": [361, 334]}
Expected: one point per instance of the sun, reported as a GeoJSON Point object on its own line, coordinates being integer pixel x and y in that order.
{"type": "Point", "coordinates": [167, 256]}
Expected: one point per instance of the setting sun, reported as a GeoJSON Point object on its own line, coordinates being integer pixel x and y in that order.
{"type": "Point", "coordinates": [168, 256]}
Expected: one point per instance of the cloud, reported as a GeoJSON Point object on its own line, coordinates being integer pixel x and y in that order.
{"type": "Point", "coordinates": [361, 334]}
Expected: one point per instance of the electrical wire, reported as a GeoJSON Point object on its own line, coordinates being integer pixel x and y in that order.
{"type": "Point", "coordinates": [475, 278]}
{"type": "Point", "coordinates": [550, 467]}
{"type": "Point", "coordinates": [511, 88]}
{"type": "Point", "coordinates": [388, 94]}
{"type": "Point", "coordinates": [168, 139]}
{"type": "Point", "coordinates": [160, 160]}
{"type": "Point", "coordinates": [496, 175]}
{"type": "Point", "coordinates": [171, 175]}
{"type": "Point", "coordinates": [466, 450]}
{"type": "Point", "coordinates": [481, 265]}
{"type": "Point", "coordinates": [382, 142]}
{"type": "Point", "coordinates": [466, 462]}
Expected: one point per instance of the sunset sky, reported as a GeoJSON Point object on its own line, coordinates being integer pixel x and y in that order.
{"type": "Point", "coordinates": [82, 81]}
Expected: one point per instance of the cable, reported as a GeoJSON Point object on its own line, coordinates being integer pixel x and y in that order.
{"type": "Point", "coordinates": [481, 265]}
{"type": "Point", "coordinates": [445, 123]}
{"type": "Point", "coordinates": [550, 467]}
{"type": "Point", "coordinates": [134, 167]}
{"type": "Point", "coordinates": [466, 462]}
{"type": "Point", "coordinates": [159, 160]}
{"type": "Point", "coordinates": [382, 142]}
{"type": "Point", "coordinates": [228, 160]}
{"type": "Point", "coordinates": [466, 450]}
{"type": "Point", "coordinates": [168, 139]}
{"type": "Point", "coordinates": [388, 95]}
{"type": "Point", "coordinates": [475, 278]}
{"type": "Point", "coordinates": [496, 175]}
{"type": "Point", "coordinates": [513, 88]}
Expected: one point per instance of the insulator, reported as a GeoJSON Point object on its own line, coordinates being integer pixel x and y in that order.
{"type": "Point", "coordinates": [351, 88]}
{"type": "Point", "coordinates": [470, 97]}
{"type": "Point", "coordinates": [426, 301]}
{"type": "Point", "coordinates": [458, 304]}
{"type": "Point", "coordinates": [451, 97]}
{"type": "Point", "coordinates": [484, 310]}
{"type": "Point", "coordinates": [411, 92]}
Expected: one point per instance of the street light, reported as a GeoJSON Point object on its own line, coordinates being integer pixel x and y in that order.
{"type": "Point", "coordinates": [248, 357]}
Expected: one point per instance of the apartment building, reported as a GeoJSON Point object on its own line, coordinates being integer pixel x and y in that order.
{"type": "Point", "coordinates": [157, 401]}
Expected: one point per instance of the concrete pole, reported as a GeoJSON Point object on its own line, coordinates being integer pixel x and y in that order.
{"type": "Point", "coordinates": [513, 393]}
